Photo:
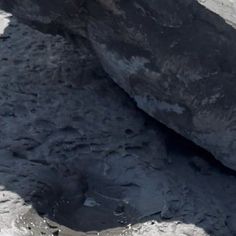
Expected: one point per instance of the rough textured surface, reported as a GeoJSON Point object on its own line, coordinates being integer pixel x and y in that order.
{"type": "Point", "coordinates": [175, 58]}
{"type": "Point", "coordinates": [226, 9]}
{"type": "Point", "coordinates": [78, 158]}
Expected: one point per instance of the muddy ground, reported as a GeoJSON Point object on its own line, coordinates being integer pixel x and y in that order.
{"type": "Point", "coordinates": [78, 158]}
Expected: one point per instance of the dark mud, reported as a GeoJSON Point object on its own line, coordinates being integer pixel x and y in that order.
{"type": "Point", "coordinates": [78, 158]}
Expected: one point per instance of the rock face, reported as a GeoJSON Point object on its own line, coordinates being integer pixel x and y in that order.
{"type": "Point", "coordinates": [77, 158]}
{"type": "Point", "coordinates": [175, 58]}
{"type": "Point", "coordinates": [178, 61]}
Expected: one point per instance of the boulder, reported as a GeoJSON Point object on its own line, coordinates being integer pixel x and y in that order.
{"type": "Point", "coordinates": [176, 59]}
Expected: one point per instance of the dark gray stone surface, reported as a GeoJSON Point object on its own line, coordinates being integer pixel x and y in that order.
{"type": "Point", "coordinates": [178, 61]}
{"type": "Point", "coordinates": [78, 158]}
{"type": "Point", "coordinates": [175, 58]}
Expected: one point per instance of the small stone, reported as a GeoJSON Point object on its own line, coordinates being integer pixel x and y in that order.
{"type": "Point", "coordinates": [90, 202]}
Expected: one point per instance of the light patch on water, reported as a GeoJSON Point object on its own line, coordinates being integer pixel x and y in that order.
{"type": "Point", "coordinates": [4, 21]}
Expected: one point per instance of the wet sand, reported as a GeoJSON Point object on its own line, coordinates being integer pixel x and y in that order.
{"type": "Point", "coordinates": [78, 158]}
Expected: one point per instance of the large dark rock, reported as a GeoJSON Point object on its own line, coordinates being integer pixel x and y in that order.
{"type": "Point", "coordinates": [76, 155]}
{"type": "Point", "coordinates": [178, 61]}
{"type": "Point", "coordinates": [175, 58]}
